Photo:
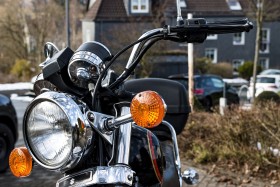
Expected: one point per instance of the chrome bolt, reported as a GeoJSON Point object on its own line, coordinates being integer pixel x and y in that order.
{"type": "Point", "coordinates": [129, 177]}
{"type": "Point", "coordinates": [91, 116]}
{"type": "Point", "coordinates": [190, 176]}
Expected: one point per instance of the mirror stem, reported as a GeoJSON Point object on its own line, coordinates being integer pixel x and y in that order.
{"type": "Point", "coordinates": [180, 20]}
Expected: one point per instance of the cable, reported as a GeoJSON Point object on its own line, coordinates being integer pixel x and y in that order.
{"type": "Point", "coordinates": [98, 83]}
{"type": "Point", "coordinates": [141, 52]}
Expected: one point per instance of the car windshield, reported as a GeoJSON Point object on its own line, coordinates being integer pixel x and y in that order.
{"type": "Point", "coordinates": [197, 82]}
{"type": "Point", "coordinates": [265, 80]}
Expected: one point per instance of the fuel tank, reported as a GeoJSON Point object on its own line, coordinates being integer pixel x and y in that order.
{"type": "Point", "coordinates": [146, 157]}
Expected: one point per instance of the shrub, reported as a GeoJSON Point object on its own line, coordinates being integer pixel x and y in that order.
{"type": "Point", "coordinates": [267, 96]}
{"type": "Point", "coordinates": [223, 69]}
{"type": "Point", "coordinates": [233, 138]}
{"type": "Point", "coordinates": [246, 70]}
{"type": "Point", "coordinates": [202, 65]}
{"type": "Point", "coordinates": [22, 69]}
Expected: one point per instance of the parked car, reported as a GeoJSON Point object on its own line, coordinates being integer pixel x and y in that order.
{"type": "Point", "coordinates": [265, 83]}
{"type": "Point", "coordinates": [209, 89]}
{"type": "Point", "coordinates": [8, 130]}
{"type": "Point", "coordinates": [270, 72]}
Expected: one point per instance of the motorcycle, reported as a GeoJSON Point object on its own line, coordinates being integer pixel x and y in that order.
{"type": "Point", "coordinates": [101, 129]}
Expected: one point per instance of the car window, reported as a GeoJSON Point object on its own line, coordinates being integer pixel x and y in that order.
{"type": "Point", "coordinates": [217, 83]}
{"type": "Point", "coordinates": [206, 82]}
{"type": "Point", "coordinates": [265, 80]}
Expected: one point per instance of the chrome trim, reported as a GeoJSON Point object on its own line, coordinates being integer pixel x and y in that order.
{"type": "Point", "coordinates": [176, 149]}
{"type": "Point", "coordinates": [86, 56]}
{"type": "Point", "coordinates": [98, 122]}
{"type": "Point", "coordinates": [179, 14]}
{"type": "Point", "coordinates": [123, 143]}
{"type": "Point", "coordinates": [99, 175]}
{"type": "Point", "coordinates": [115, 123]}
{"type": "Point", "coordinates": [82, 73]}
{"type": "Point", "coordinates": [190, 176]}
{"type": "Point", "coordinates": [82, 133]}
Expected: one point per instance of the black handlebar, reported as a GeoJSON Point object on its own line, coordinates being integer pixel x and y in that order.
{"type": "Point", "coordinates": [197, 29]}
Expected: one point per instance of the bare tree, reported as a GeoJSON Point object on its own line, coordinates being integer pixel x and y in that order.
{"type": "Point", "coordinates": [13, 44]}
{"type": "Point", "coordinates": [261, 10]}
{"type": "Point", "coordinates": [45, 23]}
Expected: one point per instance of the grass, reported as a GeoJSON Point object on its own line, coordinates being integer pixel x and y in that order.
{"type": "Point", "coordinates": [234, 138]}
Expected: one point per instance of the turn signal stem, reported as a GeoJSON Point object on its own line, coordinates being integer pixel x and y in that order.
{"type": "Point", "coordinates": [115, 123]}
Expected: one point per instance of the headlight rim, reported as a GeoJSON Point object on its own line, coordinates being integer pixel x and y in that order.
{"type": "Point", "coordinates": [84, 140]}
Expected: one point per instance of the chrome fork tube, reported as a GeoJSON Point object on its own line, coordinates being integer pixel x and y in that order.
{"type": "Point", "coordinates": [123, 141]}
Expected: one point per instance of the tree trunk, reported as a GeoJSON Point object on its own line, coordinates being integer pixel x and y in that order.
{"type": "Point", "coordinates": [257, 45]}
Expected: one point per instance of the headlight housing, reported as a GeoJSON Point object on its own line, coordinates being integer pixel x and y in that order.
{"type": "Point", "coordinates": [56, 131]}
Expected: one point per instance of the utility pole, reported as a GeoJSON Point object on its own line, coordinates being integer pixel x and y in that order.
{"type": "Point", "coordinates": [67, 22]}
{"type": "Point", "coordinates": [190, 71]}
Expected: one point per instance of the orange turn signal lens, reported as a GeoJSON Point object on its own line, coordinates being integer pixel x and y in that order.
{"type": "Point", "coordinates": [147, 109]}
{"type": "Point", "coordinates": [20, 162]}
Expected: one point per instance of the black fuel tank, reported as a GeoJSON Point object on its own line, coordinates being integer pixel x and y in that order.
{"type": "Point", "coordinates": [146, 157]}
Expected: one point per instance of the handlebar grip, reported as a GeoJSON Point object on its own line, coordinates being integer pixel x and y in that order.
{"type": "Point", "coordinates": [197, 29]}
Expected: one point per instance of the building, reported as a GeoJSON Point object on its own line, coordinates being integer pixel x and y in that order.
{"type": "Point", "coordinates": [106, 19]}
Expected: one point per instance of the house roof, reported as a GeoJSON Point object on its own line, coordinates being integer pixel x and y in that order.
{"type": "Point", "coordinates": [107, 9]}
{"type": "Point", "coordinates": [115, 9]}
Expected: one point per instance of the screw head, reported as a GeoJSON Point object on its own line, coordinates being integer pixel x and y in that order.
{"type": "Point", "coordinates": [129, 177]}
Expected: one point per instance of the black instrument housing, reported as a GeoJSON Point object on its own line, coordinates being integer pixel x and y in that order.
{"type": "Point", "coordinates": [55, 71]}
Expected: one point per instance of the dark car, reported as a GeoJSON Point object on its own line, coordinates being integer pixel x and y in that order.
{"type": "Point", "coordinates": [8, 130]}
{"type": "Point", "coordinates": [209, 89]}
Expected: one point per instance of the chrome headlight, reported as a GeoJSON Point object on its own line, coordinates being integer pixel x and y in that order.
{"type": "Point", "coordinates": [56, 131]}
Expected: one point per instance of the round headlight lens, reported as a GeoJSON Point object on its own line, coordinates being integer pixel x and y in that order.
{"type": "Point", "coordinates": [49, 134]}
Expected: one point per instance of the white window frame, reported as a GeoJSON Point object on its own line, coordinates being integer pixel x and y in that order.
{"type": "Point", "coordinates": [212, 37]}
{"type": "Point", "coordinates": [265, 41]}
{"type": "Point", "coordinates": [235, 65]}
{"type": "Point", "coordinates": [139, 4]}
{"type": "Point", "coordinates": [234, 5]}
{"type": "Point", "coordinates": [183, 4]}
{"type": "Point", "coordinates": [212, 52]}
{"type": "Point", "coordinates": [264, 62]}
{"type": "Point", "coordinates": [239, 40]}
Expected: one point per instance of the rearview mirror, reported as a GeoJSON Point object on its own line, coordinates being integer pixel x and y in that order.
{"type": "Point", "coordinates": [50, 49]}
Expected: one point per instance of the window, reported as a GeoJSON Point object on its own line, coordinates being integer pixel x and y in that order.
{"type": "Point", "coordinates": [139, 6]}
{"type": "Point", "coordinates": [265, 40]}
{"type": "Point", "coordinates": [217, 83]}
{"type": "Point", "coordinates": [239, 38]}
{"type": "Point", "coordinates": [264, 63]}
{"type": "Point", "coordinates": [212, 37]}
{"type": "Point", "coordinates": [236, 63]}
{"type": "Point", "coordinates": [212, 53]}
{"type": "Point", "coordinates": [265, 80]}
{"type": "Point", "coordinates": [234, 5]}
{"type": "Point", "coordinates": [183, 4]}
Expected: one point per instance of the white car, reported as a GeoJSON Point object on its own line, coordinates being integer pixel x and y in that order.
{"type": "Point", "coordinates": [265, 83]}
{"type": "Point", "coordinates": [270, 72]}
